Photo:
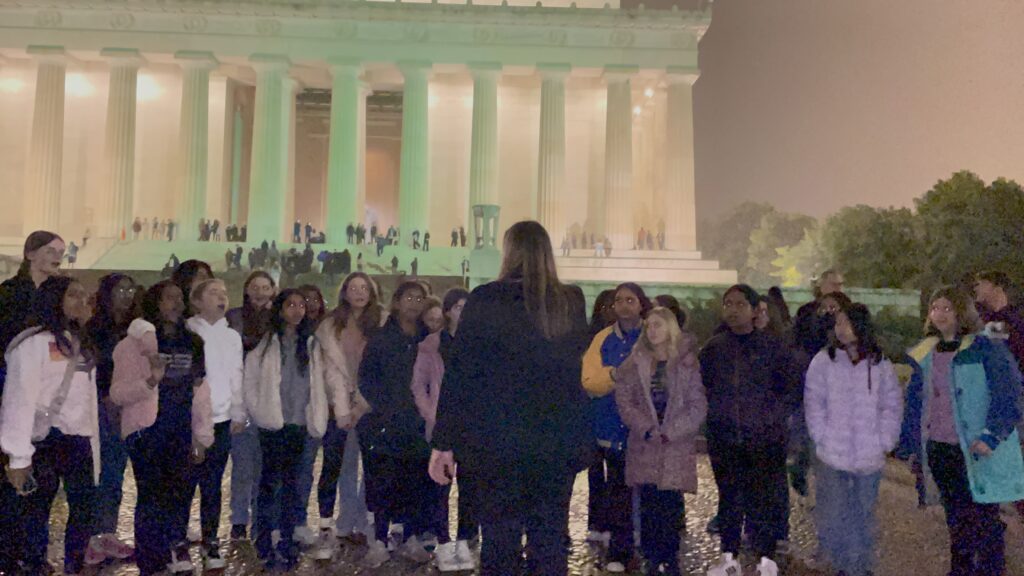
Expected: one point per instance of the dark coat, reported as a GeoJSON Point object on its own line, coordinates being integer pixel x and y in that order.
{"type": "Point", "coordinates": [753, 385]}
{"type": "Point", "coordinates": [17, 295]}
{"type": "Point", "coordinates": [512, 406]}
{"type": "Point", "coordinates": [393, 426]}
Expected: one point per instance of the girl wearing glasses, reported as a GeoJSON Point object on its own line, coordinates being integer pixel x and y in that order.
{"type": "Point", "coordinates": [115, 311]}
{"type": "Point", "coordinates": [395, 450]}
{"type": "Point", "coordinates": [960, 424]}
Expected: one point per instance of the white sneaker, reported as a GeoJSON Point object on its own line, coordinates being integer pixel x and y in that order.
{"type": "Point", "coordinates": [413, 551]}
{"type": "Point", "coordinates": [304, 536]}
{"type": "Point", "coordinates": [180, 560]}
{"type": "Point", "coordinates": [767, 567]}
{"type": "Point", "coordinates": [726, 566]}
{"type": "Point", "coordinates": [446, 558]}
{"type": "Point", "coordinates": [377, 555]}
{"type": "Point", "coordinates": [194, 535]}
{"type": "Point", "coordinates": [396, 536]}
{"type": "Point", "coordinates": [464, 556]}
{"type": "Point", "coordinates": [615, 567]}
{"type": "Point", "coordinates": [324, 549]}
{"type": "Point", "coordinates": [212, 560]}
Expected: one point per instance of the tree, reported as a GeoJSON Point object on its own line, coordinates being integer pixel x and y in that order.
{"type": "Point", "coordinates": [797, 265]}
{"type": "Point", "coordinates": [873, 247]}
{"type": "Point", "coordinates": [776, 230]}
{"type": "Point", "coordinates": [728, 239]}
{"type": "Point", "coordinates": [966, 226]}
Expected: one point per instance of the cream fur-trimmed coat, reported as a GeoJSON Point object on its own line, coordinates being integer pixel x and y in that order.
{"type": "Point", "coordinates": [261, 387]}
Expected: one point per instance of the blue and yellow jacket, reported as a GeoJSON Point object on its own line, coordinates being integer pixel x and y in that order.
{"type": "Point", "coordinates": [609, 348]}
{"type": "Point", "coordinates": [986, 389]}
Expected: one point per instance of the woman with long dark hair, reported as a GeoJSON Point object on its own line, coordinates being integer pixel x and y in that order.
{"type": "Point", "coordinates": [395, 452]}
{"type": "Point", "coordinates": [187, 275]}
{"type": "Point", "coordinates": [512, 411]}
{"type": "Point", "coordinates": [251, 320]}
{"type": "Point", "coordinates": [960, 422]}
{"type": "Point", "coordinates": [48, 430]}
{"type": "Point", "coordinates": [114, 311]}
{"type": "Point", "coordinates": [343, 335]}
{"type": "Point", "coordinates": [166, 421]}
{"type": "Point", "coordinates": [610, 498]}
{"type": "Point", "coordinates": [285, 397]}
{"type": "Point", "coordinates": [854, 407]}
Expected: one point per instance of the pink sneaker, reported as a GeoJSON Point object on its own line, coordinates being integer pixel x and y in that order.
{"type": "Point", "coordinates": [114, 548]}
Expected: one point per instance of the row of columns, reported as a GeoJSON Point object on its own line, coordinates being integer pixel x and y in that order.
{"type": "Point", "coordinates": [612, 214]}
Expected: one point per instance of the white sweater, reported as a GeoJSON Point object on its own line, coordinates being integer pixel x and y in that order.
{"type": "Point", "coordinates": [35, 371]}
{"type": "Point", "coordinates": [222, 349]}
{"type": "Point", "coordinates": [262, 387]}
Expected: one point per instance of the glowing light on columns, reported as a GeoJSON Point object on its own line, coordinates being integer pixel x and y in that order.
{"type": "Point", "coordinates": [148, 89]}
{"type": "Point", "coordinates": [680, 217]}
{"type": "Point", "coordinates": [11, 85]}
{"type": "Point", "coordinates": [77, 85]}
{"type": "Point", "coordinates": [116, 215]}
{"type": "Point", "coordinates": [45, 157]}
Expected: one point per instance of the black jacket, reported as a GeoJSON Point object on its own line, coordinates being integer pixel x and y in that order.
{"type": "Point", "coordinates": [17, 297]}
{"type": "Point", "coordinates": [753, 385]}
{"type": "Point", "coordinates": [393, 426]}
{"type": "Point", "coordinates": [511, 399]}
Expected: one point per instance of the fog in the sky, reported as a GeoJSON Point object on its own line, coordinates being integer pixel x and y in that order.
{"type": "Point", "coordinates": [812, 105]}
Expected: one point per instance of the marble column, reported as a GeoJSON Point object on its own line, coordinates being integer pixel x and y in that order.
{"type": "Point", "coordinates": [116, 214]}
{"type": "Point", "coordinates": [680, 201]}
{"type": "Point", "coordinates": [289, 117]}
{"type": "Point", "coordinates": [268, 170]}
{"type": "Point", "coordinates": [483, 156]}
{"type": "Point", "coordinates": [45, 156]}
{"type": "Point", "coordinates": [193, 139]}
{"type": "Point", "coordinates": [618, 161]}
{"type": "Point", "coordinates": [551, 161]}
{"type": "Point", "coordinates": [414, 171]}
{"type": "Point", "coordinates": [343, 151]}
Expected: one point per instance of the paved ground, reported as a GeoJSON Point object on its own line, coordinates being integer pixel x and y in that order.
{"type": "Point", "coordinates": [912, 541]}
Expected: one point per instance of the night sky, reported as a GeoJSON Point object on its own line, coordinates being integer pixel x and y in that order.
{"type": "Point", "coordinates": [812, 105]}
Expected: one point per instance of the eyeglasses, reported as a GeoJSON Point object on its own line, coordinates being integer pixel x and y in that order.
{"type": "Point", "coordinates": [414, 298]}
{"type": "Point", "coordinates": [292, 304]}
{"type": "Point", "coordinates": [122, 291]}
{"type": "Point", "coordinates": [736, 304]}
{"type": "Point", "coordinates": [946, 309]}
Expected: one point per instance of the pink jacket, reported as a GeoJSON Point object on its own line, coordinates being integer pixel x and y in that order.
{"type": "Point", "coordinates": [670, 465]}
{"type": "Point", "coordinates": [138, 401]}
{"type": "Point", "coordinates": [427, 374]}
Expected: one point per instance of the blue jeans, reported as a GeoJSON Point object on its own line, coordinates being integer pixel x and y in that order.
{"type": "Point", "coordinates": [246, 460]}
{"type": "Point", "coordinates": [353, 515]}
{"type": "Point", "coordinates": [306, 478]}
{"type": "Point", "coordinates": [113, 459]}
{"type": "Point", "coordinates": [845, 515]}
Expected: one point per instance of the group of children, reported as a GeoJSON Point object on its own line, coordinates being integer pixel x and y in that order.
{"type": "Point", "coordinates": [758, 387]}
{"type": "Point", "coordinates": [173, 380]}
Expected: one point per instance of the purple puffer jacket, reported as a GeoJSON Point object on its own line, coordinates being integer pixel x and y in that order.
{"type": "Point", "coordinates": [671, 464]}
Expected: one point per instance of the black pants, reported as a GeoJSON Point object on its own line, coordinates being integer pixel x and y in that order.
{"type": "Point", "coordinates": [661, 518]}
{"type": "Point", "coordinates": [59, 458]}
{"type": "Point", "coordinates": [750, 481]}
{"type": "Point", "coordinates": [611, 502]}
{"type": "Point", "coordinates": [278, 504]}
{"type": "Point", "coordinates": [396, 489]}
{"type": "Point", "coordinates": [12, 534]}
{"type": "Point", "coordinates": [975, 531]}
{"type": "Point", "coordinates": [330, 470]}
{"type": "Point", "coordinates": [208, 477]}
{"type": "Point", "coordinates": [545, 519]}
{"type": "Point", "coordinates": [160, 463]}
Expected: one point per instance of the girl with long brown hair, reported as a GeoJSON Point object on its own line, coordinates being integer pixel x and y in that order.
{"type": "Point", "coordinates": [512, 411]}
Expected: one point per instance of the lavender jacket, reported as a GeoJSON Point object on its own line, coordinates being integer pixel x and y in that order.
{"type": "Point", "coordinates": [853, 420]}
{"type": "Point", "coordinates": [670, 465]}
